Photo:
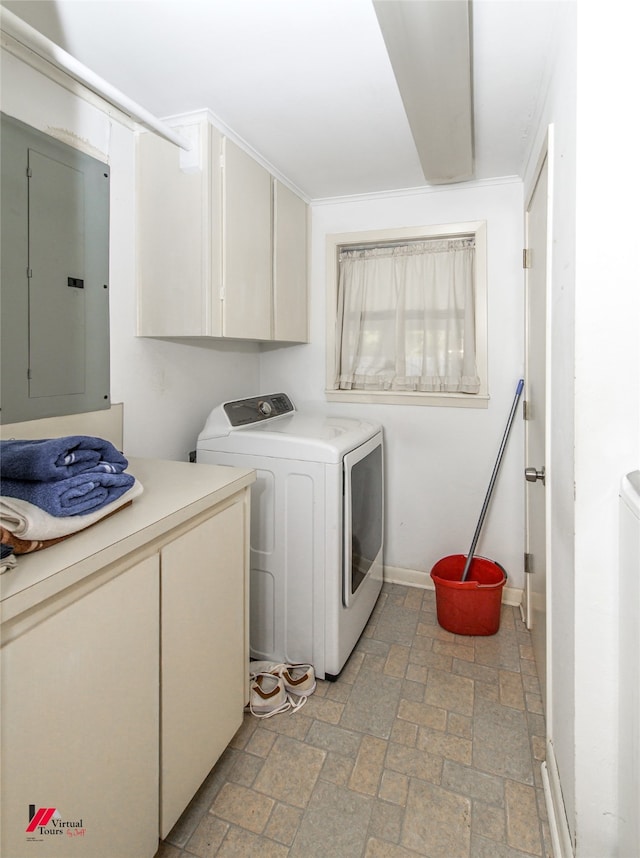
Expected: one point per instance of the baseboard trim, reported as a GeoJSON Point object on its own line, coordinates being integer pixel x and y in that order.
{"type": "Point", "coordinates": [558, 825]}
{"type": "Point", "coordinates": [415, 578]}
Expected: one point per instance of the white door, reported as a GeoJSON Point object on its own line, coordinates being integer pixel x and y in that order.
{"type": "Point", "coordinates": [535, 431]}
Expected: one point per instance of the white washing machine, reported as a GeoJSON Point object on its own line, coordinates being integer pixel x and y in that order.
{"type": "Point", "coordinates": [317, 524]}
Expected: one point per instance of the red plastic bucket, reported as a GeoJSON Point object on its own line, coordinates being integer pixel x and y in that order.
{"type": "Point", "coordinates": [470, 607]}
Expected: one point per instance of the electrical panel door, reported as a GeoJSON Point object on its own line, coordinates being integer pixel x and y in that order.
{"type": "Point", "coordinates": [55, 269]}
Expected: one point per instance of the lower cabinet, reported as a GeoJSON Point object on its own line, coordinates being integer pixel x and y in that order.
{"type": "Point", "coordinates": [80, 724]}
{"type": "Point", "coordinates": [120, 693]}
{"type": "Point", "coordinates": [202, 655]}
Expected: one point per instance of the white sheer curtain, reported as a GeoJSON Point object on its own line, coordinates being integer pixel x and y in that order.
{"type": "Point", "coordinates": [406, 318]}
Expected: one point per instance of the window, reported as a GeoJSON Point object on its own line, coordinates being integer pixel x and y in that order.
{"type": "Point", "coordinates": [407, 316]}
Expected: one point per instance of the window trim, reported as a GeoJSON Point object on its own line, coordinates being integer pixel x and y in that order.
{"type": "Point", "coordinates": [336, 241]}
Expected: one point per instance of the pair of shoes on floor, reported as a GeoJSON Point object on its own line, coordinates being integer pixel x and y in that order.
{"type": "Point", "coordinates": [276, 688]}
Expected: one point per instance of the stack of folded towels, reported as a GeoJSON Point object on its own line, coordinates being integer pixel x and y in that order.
{"type": "Point", "coordinates": [53, 488]}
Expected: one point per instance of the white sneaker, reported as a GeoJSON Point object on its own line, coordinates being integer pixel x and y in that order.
{"type": "Point", "coordinates": [299, 679]}
{"type": "Point", "coordinates": [267, 695]}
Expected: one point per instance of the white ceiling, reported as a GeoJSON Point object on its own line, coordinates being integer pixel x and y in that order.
{"type": "Point", "coordinates": [307, 83]}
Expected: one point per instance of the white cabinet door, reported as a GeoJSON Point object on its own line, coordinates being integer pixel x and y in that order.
{"type": "Point", "coordinates": [203, 653]}
{"type": "Point", "coordinates": [173, 241]}
{"type": "Point", "coordinates": [210, 241]}
{"type": "Point", "coordinates": [289, 265]}
{"type": "Point", "coordinates": [246, 230]}
{"type": "Point", "coordinates": [80, 724]}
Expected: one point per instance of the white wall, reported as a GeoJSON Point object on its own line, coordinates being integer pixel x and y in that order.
{"type": "Point", "coordinates": [607, 390]}
{"type": "Point", "coordinates": [438, 460]}
{"type": "Point", "coordinates": [595, 398]}
{"type": "Point", "coordinates": [167, 388]}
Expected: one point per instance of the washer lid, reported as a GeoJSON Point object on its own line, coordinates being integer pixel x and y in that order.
{"type": "Point", "coordinates": [297, 435]}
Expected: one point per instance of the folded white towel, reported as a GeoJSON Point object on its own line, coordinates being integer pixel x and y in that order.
{"type": "Point", "coordinates": [9, 562]}
{"type": "Point", "coordinates": [27, 521]}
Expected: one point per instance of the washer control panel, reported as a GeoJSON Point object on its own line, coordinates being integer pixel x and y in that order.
{"type": "Point", "coordinates": [244, 412]}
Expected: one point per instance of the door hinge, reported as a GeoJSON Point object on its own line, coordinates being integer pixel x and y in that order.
{"type": "Point", "coordinates": [526, 257]}
{"type": "Point", "coordinates": [29, 273]}
{"type": "Point", "coordinates": [528, 564]}
{"type": "Point", "coordinates": [29, 173]}
{"type": "Point", "coordinates": [525, 410]}
{"type": "Point", "coordinates": [29, 374]}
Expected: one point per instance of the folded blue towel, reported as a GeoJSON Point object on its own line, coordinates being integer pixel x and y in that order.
{"type": "Point", "coordinates": [58, 458]}
{"type": "Point", "coordinates": [77, 495]}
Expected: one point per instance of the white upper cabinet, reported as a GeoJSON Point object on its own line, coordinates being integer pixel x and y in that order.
{"type": "Point", "coordinates": [246, 254]}
{"type": "Point", "coordinates": [222, 250]}
{"type": "Point", "coordinates": [174, 211]}
{"type": "Point", "coordinates": [290, 316]}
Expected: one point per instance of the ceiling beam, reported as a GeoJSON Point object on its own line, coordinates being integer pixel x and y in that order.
{"type": "Point", "coordinates": [429, 45]}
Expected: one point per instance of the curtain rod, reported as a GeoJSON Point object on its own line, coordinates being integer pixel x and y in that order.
{"type": "Point", "coordinates": [404, 242]}
{"type": "Point", "coordinates": [48, 50]}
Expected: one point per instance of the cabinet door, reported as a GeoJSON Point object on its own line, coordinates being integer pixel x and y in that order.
{"type": "Point", "coordinates": [246, 225]}
{"type": "Point", "coordinates": [173, 242]}
{"type": "Point", "coordinates": [80, 725]}
{"type": "Point", "coordinates": [203, 655]}
{"type": "Point", "coordinates": [289, 265]}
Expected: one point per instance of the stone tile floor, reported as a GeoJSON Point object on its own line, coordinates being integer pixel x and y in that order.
{"type": "Point", "coordinates": [428, 744]}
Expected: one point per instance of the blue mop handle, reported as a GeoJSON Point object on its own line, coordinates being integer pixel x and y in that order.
{"type": "Point", "coordinates": [494, 475]}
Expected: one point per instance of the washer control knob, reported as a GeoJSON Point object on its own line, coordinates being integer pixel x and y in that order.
{"type": "Point", "coordinates": [265, 408]}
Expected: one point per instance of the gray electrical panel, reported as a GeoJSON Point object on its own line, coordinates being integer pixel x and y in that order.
{"type": "Point", "coordinates": [54, 292]}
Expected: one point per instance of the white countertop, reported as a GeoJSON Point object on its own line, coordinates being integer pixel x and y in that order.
{"type": "Point", "coordinates": [174, 492]}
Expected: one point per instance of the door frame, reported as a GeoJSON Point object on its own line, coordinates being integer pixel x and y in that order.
{"type": "Point", "coordinates": [556, 812]}
{"type": "Point", "coordinates": [545, 151]}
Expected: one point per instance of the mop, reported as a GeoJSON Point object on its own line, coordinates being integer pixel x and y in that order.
{"type": "Point", "coordinates": [472, 606]}
{"type": "Point", "coordinates": [492, 481]}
